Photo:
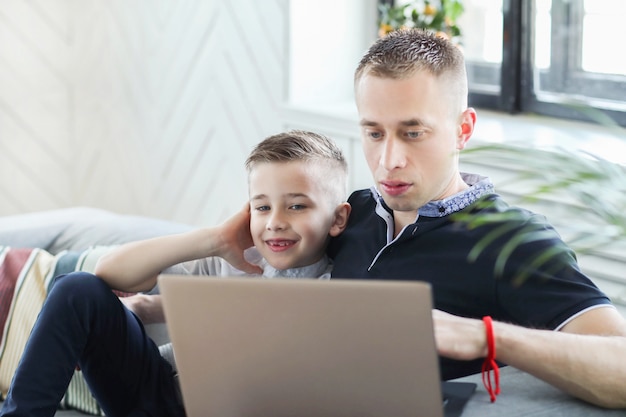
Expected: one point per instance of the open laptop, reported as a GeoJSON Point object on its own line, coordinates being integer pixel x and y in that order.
{"type": "Point", "coordinates": [258, 347]}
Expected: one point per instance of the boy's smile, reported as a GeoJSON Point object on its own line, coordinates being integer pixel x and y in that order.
{"type": "Point", "coordinates": [291, 214]}
{"type": "Point", "coordinates": [279, 245]}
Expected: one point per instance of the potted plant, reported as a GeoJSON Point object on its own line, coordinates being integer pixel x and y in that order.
{"type": "Point", "coordinates": [577, 185]}
{"type": "Point", "coordinates": [439, 16]}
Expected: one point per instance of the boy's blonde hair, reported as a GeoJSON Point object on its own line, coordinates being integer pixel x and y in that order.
{"type": "Point", "coordinates": [308, 147]}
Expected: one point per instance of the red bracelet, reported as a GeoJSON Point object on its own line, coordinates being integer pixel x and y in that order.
{"type": "Point", "coordinates": [490, 363]}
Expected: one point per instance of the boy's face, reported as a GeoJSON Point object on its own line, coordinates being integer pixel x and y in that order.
{"type": "Point", "coordinates": [291, 213]}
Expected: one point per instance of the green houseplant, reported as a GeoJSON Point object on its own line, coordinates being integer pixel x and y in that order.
{"type": "Point", "coordinates": [439, 16]}
{"type": "Point", "coordinates": [587, 188]}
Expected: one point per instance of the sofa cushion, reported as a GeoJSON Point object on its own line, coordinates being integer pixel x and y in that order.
{"type": "Point", "coordinates": [66, 237]}
{"type": "Point", "coordinates": [78, 228]}
{"type": "Point", "coordinates": [26, 275]}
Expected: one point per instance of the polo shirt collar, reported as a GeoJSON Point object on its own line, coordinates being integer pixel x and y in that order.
{"type": "Point", "coordinates": [478, 186]}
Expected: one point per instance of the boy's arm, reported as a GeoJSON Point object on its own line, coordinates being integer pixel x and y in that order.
{"type": "Point", "coordinates": [134, 266]}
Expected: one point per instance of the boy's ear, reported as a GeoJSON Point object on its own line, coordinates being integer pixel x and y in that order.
{"type": "Point", "coordinates": [342, 212]}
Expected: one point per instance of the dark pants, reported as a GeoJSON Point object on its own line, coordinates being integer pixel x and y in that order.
{"type": "Point", "coordinates": [83, 322]}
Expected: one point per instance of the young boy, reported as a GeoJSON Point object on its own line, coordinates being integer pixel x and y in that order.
{"type": "Point", "coordinates": [297, 190]}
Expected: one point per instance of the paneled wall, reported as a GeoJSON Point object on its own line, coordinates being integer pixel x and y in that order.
{"type": "Point", "coordinates": [145, 107]}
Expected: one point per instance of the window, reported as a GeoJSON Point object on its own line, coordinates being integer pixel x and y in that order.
{"type": "Point", "coordinates": [555, 57]}
{"type": "Point", "coordinates": [482, 44]}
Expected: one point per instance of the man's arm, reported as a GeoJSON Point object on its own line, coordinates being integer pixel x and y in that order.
{"type": "Point", "coordinates": [134, 266]}
{"type": "Point", "coordinates": [584, 359]}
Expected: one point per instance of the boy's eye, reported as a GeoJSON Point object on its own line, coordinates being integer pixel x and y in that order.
{"type": "Point", "coordinates": [262, 208]}
{"type": "Point", "coordinates": [297, 207]}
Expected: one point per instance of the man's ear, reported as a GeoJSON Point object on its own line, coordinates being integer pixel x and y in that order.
{"type": "Point", "coordinates": [342, 213]}
{"type": "Point", "coordinates": [466, 127]}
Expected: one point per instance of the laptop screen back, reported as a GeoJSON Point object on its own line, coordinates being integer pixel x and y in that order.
{"type": "Point", "coordinates": [258, 347]}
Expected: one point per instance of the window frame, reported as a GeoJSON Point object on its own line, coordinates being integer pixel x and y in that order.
{"type": "Point", "coordinates": [517, 75]}
{"type": "Point", "coordinates": [576, 102]}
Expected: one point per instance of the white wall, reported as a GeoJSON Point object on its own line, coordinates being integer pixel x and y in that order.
{"type": "Point", "coordinates": [327, 40]}
{"type": "Point", "coordinates": [145, 107]}
{"type": "Point", "coordinates": [322, 59]}
{"type": "Point", "coordinates": [150, 107]}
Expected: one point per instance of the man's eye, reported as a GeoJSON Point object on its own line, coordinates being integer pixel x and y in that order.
{"type": "Point", "coordinates": [413, 134]}
{"type": "Point", "coordinates": [375, 135]}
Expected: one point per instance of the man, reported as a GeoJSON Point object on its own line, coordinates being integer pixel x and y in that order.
{"type": "Point", "coordinates": [411, 94]}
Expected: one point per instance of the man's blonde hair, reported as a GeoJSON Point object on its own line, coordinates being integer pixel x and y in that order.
{"type": "Point", "coordinates": [402, 53]}
{"type": "Point", "coordinates": [308, 147]}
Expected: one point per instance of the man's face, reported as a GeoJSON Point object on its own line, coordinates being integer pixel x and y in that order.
{"type": "Point", "coordinates": [291, 213]}
{"type": "Point", "coordinates": [411, 133]}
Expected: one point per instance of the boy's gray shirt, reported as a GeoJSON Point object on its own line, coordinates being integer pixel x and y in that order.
{"type": "Point", "coordinates": [215, 266]}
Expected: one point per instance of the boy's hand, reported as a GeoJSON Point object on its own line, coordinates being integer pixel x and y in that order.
{"type": "Point", "coordinates": [236, 238]}
{"type": "Point", "coordinates": [147, 307]}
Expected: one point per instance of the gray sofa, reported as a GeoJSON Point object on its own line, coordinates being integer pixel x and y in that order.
{"type": "Point", "coordinates": [78, 229]}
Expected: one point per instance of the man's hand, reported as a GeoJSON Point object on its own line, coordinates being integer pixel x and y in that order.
{"type": "Point", "coordinates": [235, 238]}
{"type": "Point", "coordinates": [459, 337]}
{"type": "Point", "coordinates": [147, 307]}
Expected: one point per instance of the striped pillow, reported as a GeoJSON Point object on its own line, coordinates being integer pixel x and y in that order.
{"type": "Point", "coordinates": [25, 279]}
{"type": "Point", "coordinates": [23, 289]}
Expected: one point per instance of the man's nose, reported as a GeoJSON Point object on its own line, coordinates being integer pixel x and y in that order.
{"type": "Point", "coordinates": [393, 154]}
